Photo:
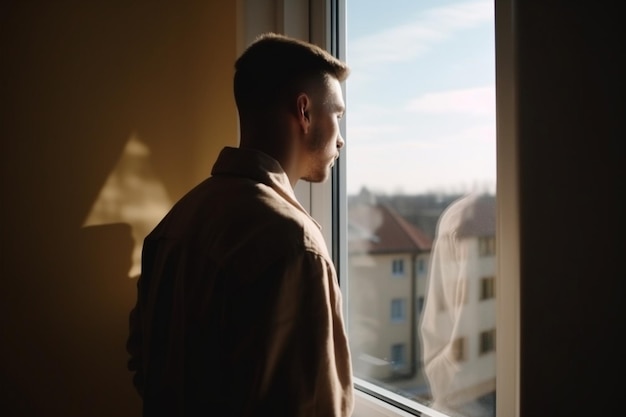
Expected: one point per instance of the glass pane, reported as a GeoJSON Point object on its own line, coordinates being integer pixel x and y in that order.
{"type": "Point", "coordinates": [421, 174]}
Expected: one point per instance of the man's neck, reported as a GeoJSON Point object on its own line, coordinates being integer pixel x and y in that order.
{"type": "Point", "coordinates": [283, 153]}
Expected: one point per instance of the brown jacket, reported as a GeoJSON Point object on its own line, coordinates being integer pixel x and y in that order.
{"type": "Point", "coordinates": [238, 310]}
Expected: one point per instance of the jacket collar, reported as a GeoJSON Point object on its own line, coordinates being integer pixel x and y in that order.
{"type": "Point", "coordinates": [258, 166]}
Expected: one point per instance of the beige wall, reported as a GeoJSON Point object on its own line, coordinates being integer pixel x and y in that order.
{"type": "Point", "coordinates": [79, 81]}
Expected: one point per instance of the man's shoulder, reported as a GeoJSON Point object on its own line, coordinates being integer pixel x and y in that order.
{"type": "Point", "coordinates": [285, 223]}
{"type": "Point", "coordinates": [281, 214]}
{"type": "Point", "coordinates": [237, 212]}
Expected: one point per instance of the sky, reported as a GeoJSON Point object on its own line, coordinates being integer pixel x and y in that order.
{"type": "Point", "coordinates": [420, 98]}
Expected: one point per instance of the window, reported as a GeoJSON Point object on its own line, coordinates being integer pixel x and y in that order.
{"type": "Point", "coordinates": [421, 266]}
{"type": "Point", "coordinates": [420, 138]}
{"type": "Point", "coordinates": [398, 354]}
{"type": "Point", "coordinates": [338, 25]}
{"type": "Point", "coordinates": [487, 288]}
{"type": "Point", "coordinates": [398, 310]}
{"type": "Point", "coordinates": [419, 305]}
{"type": "Point", "coordinates": [397, 267]}
{"type": "Point", "coordinates": [486, 246]}
{"type": "Point", "coordinates": [487, 341]}
{"type": "Point", "coordinates": [458, 349]}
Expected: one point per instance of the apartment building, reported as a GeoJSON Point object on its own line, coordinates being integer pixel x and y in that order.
{"type": "Point", "coordinates": [411, 299]}
{"type": "Point", "coordinates": [388, 260]}
{"type": "Point", "coordinates": [458, 324]}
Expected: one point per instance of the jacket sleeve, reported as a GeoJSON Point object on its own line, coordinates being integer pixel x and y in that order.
{"type": "Point", "coordinates": [309, 346]}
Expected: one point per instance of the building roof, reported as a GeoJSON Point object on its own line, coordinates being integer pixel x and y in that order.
{"type": "Point", "coordinates": [472, 216]}
{"type": "Point", "coordinates": [378, 228]}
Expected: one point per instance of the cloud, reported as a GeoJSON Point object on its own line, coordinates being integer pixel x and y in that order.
{"type": "Point", "coordinates": [470, 101]}
{"type": "Point", "coordinates": [374, 138]}
{"type": "Point", "coordinates": [365, 132]}
{"type": "Point", "coordinates": [399, 135]}
{"type": "Point", "coordinates": [404, 42]}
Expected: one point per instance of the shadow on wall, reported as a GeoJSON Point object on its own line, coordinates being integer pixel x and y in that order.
{"type": "Point", "coordinates": [66, 360]}
{"type": "Point", "coordinates": [81, 78]}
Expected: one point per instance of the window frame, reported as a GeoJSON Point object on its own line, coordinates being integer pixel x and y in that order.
{"type": "Point", "coordinates": [323, 22]}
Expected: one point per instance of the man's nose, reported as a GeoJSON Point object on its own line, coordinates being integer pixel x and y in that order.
{"type": "Point", "coordinates": [340, 142]}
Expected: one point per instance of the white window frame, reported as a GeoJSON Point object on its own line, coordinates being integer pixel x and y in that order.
{"type": "Point", "coordinates": [323, 22]}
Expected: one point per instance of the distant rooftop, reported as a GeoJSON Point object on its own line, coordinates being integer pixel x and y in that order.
{"type": "Point", "coordinates": [378, 228]}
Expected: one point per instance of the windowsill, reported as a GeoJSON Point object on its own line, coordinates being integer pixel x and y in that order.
{"type": "Point", "coordinates": [367, 403]}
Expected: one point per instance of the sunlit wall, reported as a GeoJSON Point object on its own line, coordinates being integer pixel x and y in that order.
{"type": "Point", "coordinates": [111, 111]}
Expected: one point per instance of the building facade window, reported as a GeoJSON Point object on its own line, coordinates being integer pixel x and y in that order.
{"type": "Point", "coordinates": [397, 267]}
{"type": "Point", "coordinates": [421, 266]}
{"type": "Point", "coordinates": [487, 341]}
{"type": "Point", "coordinates": [459, 353]}
{"type": "Point", "coordinates": [486, 246]}
{"type": "Point", "coordinates": [419, 305]}
{"type": "Point", "coordinates": [398, 354]}
{"type": "Point", "coordinates": [398, 310]}
{"type": "Point", "coordinates": [487, 288]}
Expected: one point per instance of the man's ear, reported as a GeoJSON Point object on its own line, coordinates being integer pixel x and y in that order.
{"type": "Point", "coordinates": [303, 107]}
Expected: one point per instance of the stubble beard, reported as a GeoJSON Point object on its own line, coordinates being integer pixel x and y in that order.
{"type": "Point", "coordinates": [318, 176]}
{"type": "Point", "coordinates": [319, 173]}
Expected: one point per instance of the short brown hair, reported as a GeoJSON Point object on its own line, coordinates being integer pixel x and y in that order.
{"type": "Point", "coordinates": [274, 64]}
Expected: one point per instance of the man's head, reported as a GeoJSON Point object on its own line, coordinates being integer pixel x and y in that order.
{"type": "Point", "coordinates": [288, 92]}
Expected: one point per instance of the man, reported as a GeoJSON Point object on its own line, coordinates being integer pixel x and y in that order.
{"type": "Point", "coordinates": [238, 310]}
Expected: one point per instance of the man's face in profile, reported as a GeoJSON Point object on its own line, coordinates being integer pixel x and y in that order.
{"type": "Point", "coordinates": [325, 139]}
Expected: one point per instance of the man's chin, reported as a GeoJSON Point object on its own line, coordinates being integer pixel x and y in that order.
{"type": "Point", "coordinates": [317, 178]}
